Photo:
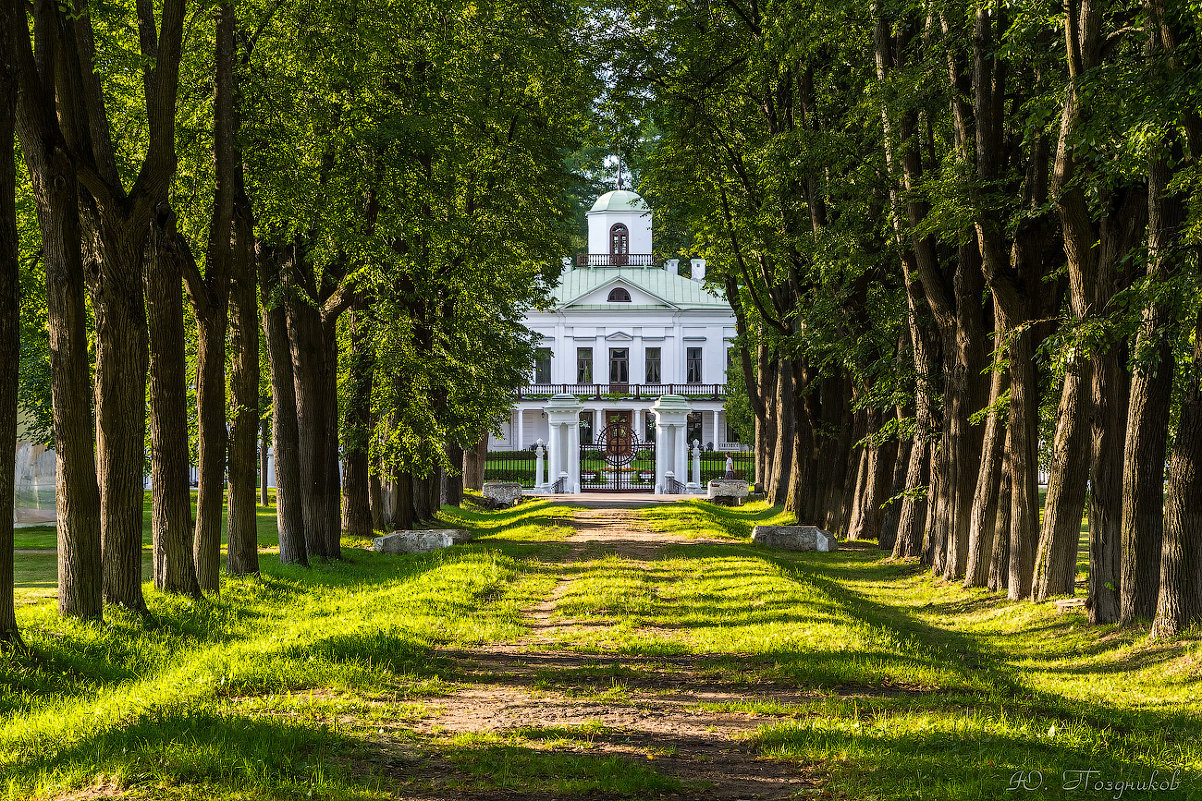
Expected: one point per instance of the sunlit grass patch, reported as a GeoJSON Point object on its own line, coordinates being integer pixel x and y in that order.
{"type": "Point", "coordinates": [698, 518]}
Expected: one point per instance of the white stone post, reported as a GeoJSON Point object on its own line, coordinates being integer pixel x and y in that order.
{"type": "Point", "coordinates": [563, 417]}
{"type": "Point", "coordinates": [671, 415]}
{"type": "Point", "coordinates": [539, 453]}
{"type": "Point", "coordinates": [521, 432]}
{"type": "Point", "coordinates": [695, 484]}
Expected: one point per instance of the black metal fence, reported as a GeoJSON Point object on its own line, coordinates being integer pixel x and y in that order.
{"type": "Point", "coordinates": [515, 467]}
{"type": "Point", "coordinates": [713, 465]}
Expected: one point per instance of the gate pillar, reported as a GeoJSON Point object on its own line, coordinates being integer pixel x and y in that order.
{"type": "Point", "coordinates": [671, 419]}
{"type": "Point", "coordinates": [563, 444]}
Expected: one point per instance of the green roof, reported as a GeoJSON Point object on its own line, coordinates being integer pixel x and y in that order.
{"type": "Point", "coordinates": [674, 290]}
{"type": "Point", "coordinates": [619, 200]}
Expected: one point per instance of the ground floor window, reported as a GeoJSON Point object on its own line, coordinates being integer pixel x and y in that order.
{"type": "Point", "coordinates": [693, 428]}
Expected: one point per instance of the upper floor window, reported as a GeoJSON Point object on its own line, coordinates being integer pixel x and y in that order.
{"type": "Point", "coordinates": [584, 365]}
{"type": "Point", "coordinates": [693, 366]}
{"type": "Point", "coordinates": [652, 375]}
{"type": "Point", "coordinates": [619, 244]}
{"type": "Point", "coordinates": [542, 366]}
{"type": "Point", "coordinates": [619, 295]}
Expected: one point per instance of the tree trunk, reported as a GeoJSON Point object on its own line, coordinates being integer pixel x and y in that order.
{"type": "Point", "coordinates": [840, 455]}
{"type": "Point", "coordinates": [1179, 602]}
{"type": "Point", "coordinates": [242, 537]}
{"type": "Point", "coordinates": [782, 450]}
{"type": "Point", "coordinates": [121, 363]}
{"type": "Point", "coordinates": [453, 478]}
{"type": "Point", "coordinates": [892, 516]}
{"type": "Point", "coordinates": [765, 430]}
{"type": "Point", "coordinates": [285, 439]}
{"type": "Point", "coordinates": [308, 367]}
{"type": "Point", "coordinates": [264, 464]}
{"type": "Point", "coordinates": [1107, 426]}
{"type": "Point", "coordinates": [333, 507]}
{"type": "Point", "coordinates": [981, 528]}
{"type": "Point", "coordinates": [10, 344]}
{"type": "Point", "coordinates": [211, 444]}
{"type": "Point", "coordinates": [1148, 408]}
{"type": "Point", "coordinates": [171, 509]}
{"type": "Point", "coordinates": [999, 558]}
{"type": "Point", "coordinates": [77, 494]}
{"type": "Point", "coordinates": [1023, 439]}
{"type": "Point", "coordinates": [864, 462]}
{"type": "Point", "coordinates": [356, 434]}
{"type": "Point", "coordinates": [376, 498]}
{"type": "Point", "coordinates": [1056, 556]}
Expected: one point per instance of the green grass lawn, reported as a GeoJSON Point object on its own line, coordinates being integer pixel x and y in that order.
{"type": "Point", "coordinates": [309, 683]}
{"type": "Point", "coordinates": [45, 537]}
{"type": "Point", "coordinates": [248, 694]}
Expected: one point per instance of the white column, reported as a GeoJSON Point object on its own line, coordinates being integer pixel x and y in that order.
{"type": "Point", "coordinates": [563, 418]}
{"type": "Point", "coordinates": [519, 432]}
{"type": "Point", "coordinates": [572, 458]}
{"type": "Point", "coordinates": [553, 453]}
{"type": "Point", "coordinates": [682, 454]}
{"type": "Point", "coordinates": [719, 429]}
{"type": "Point", "coordinates": [539, 453]}
{"type": "Point", "coordinates": [636, 422]}
{"type": "Point", "coordinates": [695, 484]}
{"type": "Point", "coordinates": [671, 417]}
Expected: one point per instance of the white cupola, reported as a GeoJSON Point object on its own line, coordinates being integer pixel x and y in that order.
{"type": "Point", "coordinates": [619, 226]}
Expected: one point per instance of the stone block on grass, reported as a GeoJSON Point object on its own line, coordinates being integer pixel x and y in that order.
{"type": "Point", "coordinates": [420, 541]}
{"type": "Point", "coordinates": [727, 491]}
{"type": "Point", "coordinates": [794, 538]}
{"type": "Point", "coordinates": [503, 494]}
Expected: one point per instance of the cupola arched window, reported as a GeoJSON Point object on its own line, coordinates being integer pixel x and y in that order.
{"type": "Point", "coordinates": [619, 244]}
{"type": "Point", "coordinates": [619, 295]}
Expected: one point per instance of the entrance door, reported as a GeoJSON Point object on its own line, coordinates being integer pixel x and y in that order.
{"type": "Point", "coordinates": [621, 434]}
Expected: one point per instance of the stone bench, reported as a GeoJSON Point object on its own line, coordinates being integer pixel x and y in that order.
{"type": "Point", "coordinates": [727, 491]}
{"type": "Point", "coordinates": [794, 538]}
{"type": "Point", "coordinates": [420, 541]}
{"type": "Point", "coordinates": [503, 494]}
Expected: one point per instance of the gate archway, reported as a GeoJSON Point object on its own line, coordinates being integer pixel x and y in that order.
{"type": "Point", "coordinates": [617, 461]}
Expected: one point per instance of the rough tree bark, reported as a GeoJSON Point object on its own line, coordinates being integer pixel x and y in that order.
{"type": "Point", "coordinates": [52, 173]}
{"type": "Point", "coordinates": [264, 465]}
{"type": "Point", "coordinates": [985, 500]}
{"type": "Point", "coordinates": [285, 439]}
{"type": "Point", "coordinates": [309, 369]}
{"type": "Point", "coordinates": [10, 341]}
{"type": "Point", "coordinates": [171, 499]}
{"type": "Point", "coordinates": [356, 435]}
{"type": "Point", "coordinates": [1145, 447]}
{"type": "Point", "coordinates": [1179, 601]}
{"type": "Point", "coordinates": [242, 537]}
{"type": "Point", "coordinates": [1056, 554]}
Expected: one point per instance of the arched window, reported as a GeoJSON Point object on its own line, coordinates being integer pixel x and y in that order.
{"type": "Point", "coordinates": [619, 244]}
{"type": "Point", "coordinates": [619, 295]}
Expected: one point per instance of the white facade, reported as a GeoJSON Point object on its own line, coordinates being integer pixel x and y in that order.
{"type": "Point", "coordinates": [624, 332]}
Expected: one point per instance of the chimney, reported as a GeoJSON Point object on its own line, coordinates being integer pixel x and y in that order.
{"type": "Point", "coordinates": [697, 269]}
{"type": "Point", "coordinates": [672, 266]}
{"type": "Point", "coordinates": [567, 264]}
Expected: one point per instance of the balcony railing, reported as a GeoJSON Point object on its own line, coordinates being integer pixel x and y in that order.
{"type": "Point", "coordinates": [615, 260]}
{"type": "Point", "coordinates": [623, 390]}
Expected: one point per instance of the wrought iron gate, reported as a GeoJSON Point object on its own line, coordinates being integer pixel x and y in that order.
{"type": "Point", "coordinates": [617, 461]}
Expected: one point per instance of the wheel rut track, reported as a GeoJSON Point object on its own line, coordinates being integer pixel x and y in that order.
{"type": "Point", "coordinates": [654, 715]}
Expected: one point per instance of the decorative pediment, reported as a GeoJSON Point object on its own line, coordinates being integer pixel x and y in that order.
{"type": "Point", "coordinates": [619, 336]}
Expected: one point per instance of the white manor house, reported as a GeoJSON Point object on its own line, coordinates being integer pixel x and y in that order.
{"type": "Point", "coordinates": [622, 333]}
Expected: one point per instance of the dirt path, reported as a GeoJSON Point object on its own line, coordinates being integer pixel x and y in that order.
{"type": "Point", "coordinates": [644, 708]}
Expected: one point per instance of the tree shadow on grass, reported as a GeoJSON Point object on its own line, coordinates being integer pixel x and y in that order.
{"type": "Point", "coordinates": [197, 745]}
